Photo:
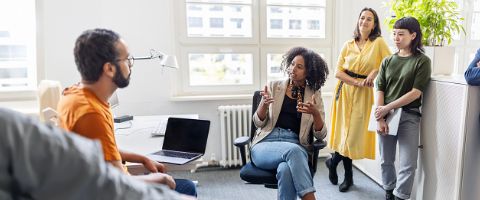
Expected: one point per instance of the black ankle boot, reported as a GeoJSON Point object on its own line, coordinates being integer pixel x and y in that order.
{"type": "Point", "coordinates": [389, 195]}
{"type": "Point", "coordinates": [331, 164]}
{"type": "Point", "coordinates": [332, 171]}
{"type": "Point", "coordinates": [348, 181]}
{"type": "Point", "coordinates": [345, 186]}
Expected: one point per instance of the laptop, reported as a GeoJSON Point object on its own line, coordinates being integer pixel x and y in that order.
{"type": "Point", "coordinates": [185, 140]}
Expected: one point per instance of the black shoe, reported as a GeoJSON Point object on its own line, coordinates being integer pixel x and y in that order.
{"type": "Point", "coordinates": [332, 172]}
{"type": "Point", "coordinates": [347, 183]}
{"type": "Point", "coordinates": [389, 195]}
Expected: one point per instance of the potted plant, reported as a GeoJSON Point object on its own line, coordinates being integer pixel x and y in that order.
{"type": "Point", "coordinates": [440, 21]}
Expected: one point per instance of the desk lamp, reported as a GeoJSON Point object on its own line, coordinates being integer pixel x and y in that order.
{"type": "Point", "coordinates": [165, 60]}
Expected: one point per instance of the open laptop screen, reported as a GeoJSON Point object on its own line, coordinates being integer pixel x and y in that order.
{"type": "Point", "coordinates": [187, 135]}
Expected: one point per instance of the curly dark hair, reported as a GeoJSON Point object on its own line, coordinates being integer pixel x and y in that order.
{"type": "Point", "coordinates": [316, 67]}
{"type": "Point", "coordinates": [92, 50]}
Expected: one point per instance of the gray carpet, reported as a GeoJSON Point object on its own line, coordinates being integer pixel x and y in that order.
{"type": "Point", "coordinates": [221, 184]}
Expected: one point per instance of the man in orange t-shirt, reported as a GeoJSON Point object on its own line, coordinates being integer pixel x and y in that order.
{"type": "Point", "coordinates": [104, 63]}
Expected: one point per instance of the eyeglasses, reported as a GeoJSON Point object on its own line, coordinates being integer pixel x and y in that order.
{"type": "Point", "coordinates": [130, 60]}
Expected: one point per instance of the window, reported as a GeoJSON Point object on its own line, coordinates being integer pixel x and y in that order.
{"type": "Point", "coordinates": [223, 51]}
{"type": "Point", "coordinates": [467, 45]}
{"type": "Point", "coordinates": [216, 14]}
{"type": "Point", "coordinates": [17, 46]}
{"type": "Point", "coordinates": [475, 25]}
{"type": "Point", "coordinates": [220, 69]}
{"type": "Point", "coordinates": [276, 24]}
{"type": "Point", "coordinates": [306, 18]}
{"type": "Point", "coordinates": [216, 22]}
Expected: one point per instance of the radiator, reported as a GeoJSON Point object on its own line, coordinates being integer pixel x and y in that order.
{"type": "Point", "coordinates": [235, 122]}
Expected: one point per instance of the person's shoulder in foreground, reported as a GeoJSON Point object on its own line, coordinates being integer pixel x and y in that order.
{"type": "Point", "coordinates": [472, 74]}
{"type": "Point", "coordinates": [41, 162]}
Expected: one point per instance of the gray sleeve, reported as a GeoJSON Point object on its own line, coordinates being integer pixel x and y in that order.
{"type": "Point", "coordinates": [44, 162]}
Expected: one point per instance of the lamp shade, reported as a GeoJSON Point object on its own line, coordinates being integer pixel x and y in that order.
{"type": "Point", "coordinates": [169, 61]}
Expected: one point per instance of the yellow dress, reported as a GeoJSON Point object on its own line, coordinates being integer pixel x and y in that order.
{"type": "Point", "coordinates": [349, 134]}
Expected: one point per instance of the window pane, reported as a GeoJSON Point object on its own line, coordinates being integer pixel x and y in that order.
{"type": "Point", "coordinates": [321, 3]}
{"type": "Point", "coordinates": [475, 26]}
{"type": "Point", "coordinates": [274, 72]}
{"type": "Point", "coordinates": [221, 1]}
{"type": "Point", "coordinates": [274, 61]}
{"type": "Point", "coordinates": [17, 45]}
{"type": "Point", "coordinates": [229, 19]}
{"type": "Point", "coordinates": [295, 22]}
{"type": "Point", "coordinates": [220, 69]}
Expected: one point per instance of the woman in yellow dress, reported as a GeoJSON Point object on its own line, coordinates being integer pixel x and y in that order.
{"type": "Point", "coordinates": [357, 67]}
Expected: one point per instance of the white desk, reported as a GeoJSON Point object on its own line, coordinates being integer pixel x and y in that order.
{"type": "Point", "coordinates": [138, 139]}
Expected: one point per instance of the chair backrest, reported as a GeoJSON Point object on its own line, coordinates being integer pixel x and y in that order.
{"type": "Point", "coordinates": [49, 93]}
{"type": "Point", "coordinates": [255, 101]}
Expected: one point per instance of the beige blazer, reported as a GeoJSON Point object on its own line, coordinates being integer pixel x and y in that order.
{"type": "Point", "coordinates": [277, 90]}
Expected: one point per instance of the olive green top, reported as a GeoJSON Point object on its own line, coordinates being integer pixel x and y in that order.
{"type": "Point", "coordinates": [398, 75]}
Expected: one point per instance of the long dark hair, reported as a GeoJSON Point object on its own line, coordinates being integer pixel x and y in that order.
{"type": "Point", "coordinates": [316, 67]}
{"type": "Point", "coordinates": [376, 32]}
{"type": "Point", "coordinates": [412, 25]}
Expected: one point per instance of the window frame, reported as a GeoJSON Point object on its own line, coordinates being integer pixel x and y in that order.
{"type": "Point", "coordinates": [181, 16]}
{"type": "Point", "coordinates": [36, 71]}
{"type": "Point", "coordinates": [259, 45]}
{"type": "Point", "coordinates": [216, 89]}
{"type": "Point", "coordinates": [301, 41]}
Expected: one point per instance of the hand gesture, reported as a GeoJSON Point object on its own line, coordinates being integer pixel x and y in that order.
{"type": "Point", "coordinates": [382, 127]}
{"type": "Point", "coordinates": [153, 166]}
{"type": "Point", "coordinates": [308, 107]}
{"type": "Point", "coordinates": [380, 112]}
{"type": "Point", "coordinates": [266, 98]}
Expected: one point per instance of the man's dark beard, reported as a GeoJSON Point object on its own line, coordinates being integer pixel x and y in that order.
{"type": "Point", "coordinates": [119, 80]}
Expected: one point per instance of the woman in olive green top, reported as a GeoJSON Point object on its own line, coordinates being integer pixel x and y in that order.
{"type": "Point", "coordinates": [401, 82]}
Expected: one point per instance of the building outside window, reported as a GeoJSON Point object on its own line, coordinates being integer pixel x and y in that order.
{"type": "Point", "coordinates": [17, 46]}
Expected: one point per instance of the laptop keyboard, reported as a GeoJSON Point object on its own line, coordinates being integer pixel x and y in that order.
{"type": "Point", "coordinates": [177, 154]}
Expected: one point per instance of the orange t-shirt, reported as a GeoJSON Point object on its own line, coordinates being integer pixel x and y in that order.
{"type": "Point", "coordinates": [82, 112]}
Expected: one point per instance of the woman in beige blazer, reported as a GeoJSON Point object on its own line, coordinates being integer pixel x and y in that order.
{"type": "Point", "coordinates": [288, 113]}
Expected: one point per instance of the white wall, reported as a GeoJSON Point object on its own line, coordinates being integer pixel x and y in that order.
{"type": "Point", "coordinates": [143, 24]}
{"type": "Point", "coordinates": [146, 24]}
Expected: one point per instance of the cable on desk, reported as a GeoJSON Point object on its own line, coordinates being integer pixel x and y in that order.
{"type": "Point", "coordinates": [127, 127]}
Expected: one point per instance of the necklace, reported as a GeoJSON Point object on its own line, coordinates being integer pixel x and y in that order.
{"type": "Point", "coordinates": [297, 91]}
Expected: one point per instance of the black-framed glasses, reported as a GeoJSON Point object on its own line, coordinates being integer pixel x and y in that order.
{"type": "Point", "coordinates": [130, 60]}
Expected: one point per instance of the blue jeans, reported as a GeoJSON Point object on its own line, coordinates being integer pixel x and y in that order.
{"type": "Point", "coordinates": [185, 186]}
{"type": "Point", "coordinates": [281, 151]}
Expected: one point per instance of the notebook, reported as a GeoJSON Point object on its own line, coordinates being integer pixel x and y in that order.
{"type": "Point", "coordinates": [393, 120]}
{"type": "Point", "coordinates": [185, 140]}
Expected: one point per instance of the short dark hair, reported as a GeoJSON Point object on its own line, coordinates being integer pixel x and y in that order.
{"type": "Point", "coordinates": [316, 67]}
{"type": "Point", "coordinates": [412, 25]}
{"type": "Point", "coordinates": [376, 32]}
{"type": "Point", "coordinates": [93, 49]}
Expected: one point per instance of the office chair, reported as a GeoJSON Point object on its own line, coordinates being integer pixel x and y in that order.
{"type": "Point", "coordinates": [252, 174]}
{"type": "Point", "coordinates": [49, 93]}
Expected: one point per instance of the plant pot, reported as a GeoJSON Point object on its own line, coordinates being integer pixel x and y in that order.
{"type": "Point", "coordinates": [443, 59]}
